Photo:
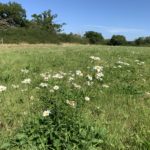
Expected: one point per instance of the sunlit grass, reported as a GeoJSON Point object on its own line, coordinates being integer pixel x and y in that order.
{"type": "Point", "coordinates": [118, 103]}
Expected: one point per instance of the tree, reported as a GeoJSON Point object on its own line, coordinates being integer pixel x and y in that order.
{"type": "Point", "coordinates": [94, 37]}
{"type": "Point", "coordinates": [12, 14]}
{"type": "Point", "coordinates": [143, 41]}
{"type": "Point", "coordinates": [118, 40]}
{"type": "Point", "coordinates": [46, 20]}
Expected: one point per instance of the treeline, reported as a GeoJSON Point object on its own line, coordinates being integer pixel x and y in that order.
{"type": "Point", "coordinates": [41, 28]}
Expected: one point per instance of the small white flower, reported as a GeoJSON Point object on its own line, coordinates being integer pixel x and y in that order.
{"type": "Point", "coordinates": [87, 98]}
{"type": "Point", "coordinates": [147, 93]}
{"type": "Point", "coordinates": [15, 86]}
{"type": "Point", "coordinates": [89, 77]}
{"type": "Point", "coordinates": [43, 85]}
{"type": "Point", "coordinates": [46, 113]}
{"type": "Point", "coordinates": [71, 103]}
{"type": "Point", "coordinates": [99, 75]}
{"type": "Point", "coordinates": [2, 88]}
{"type": "Point", "coordinates": [26, 81]}
{"type": "Point", "coordinates": [76, 86]}
{"type": "Point", "coordinates": [79, 73]}
{"type": "Point", "coordinates": [98, 68]}
{"type": "Point", "coordinates": [58, 76]}
{"type": "Point", "coordinates": [24, 90]}
{"type": "Point", "coordinates": [51, 91]}
{"type": "Point", "coordinates": [31, 97]}
{"type": "Point", "coordinates": [105, 86]}
{"type": "Point", "coordinates": [94, 58]}
{"type": "Point", "coordinates": [119, 66]}
{"type": "Point", "coordinates": [56, 87]}
{"type": "Point", "coordinates": [24, 71]}
{"type": "Point", "coordinates": [71, 79]}
{"type": "Point", "coordinates": [89, 83]}
{"type": "Point", "coordinates": [123, 63]}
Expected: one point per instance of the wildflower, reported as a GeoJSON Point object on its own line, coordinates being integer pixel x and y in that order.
{"type": "Point", "coordinates": [89, 83]}
{"type": "Point", "coordinates": [105, 86]}
{"type": "Point", "coordinates": [24, 71]}
{"type": "Point", "coordinates": [76, 86]}
{"type": "Point", "coordinates": [79, 73]}
{"type": "Point", "coordinates": [46, 113]}
{"type": "Point", "coordinates": [89, 77]}
{"type": "Point", "coordinates": [87, 98]}
{"type": "Point", "coordinates": [147, 93]}
{"type": "Point", "coordinates": [43, 85]}
{"type": "Point", "coordinates": [26, 81]}
{"type": "Point", "coordinates": [123, 63]}
{"type": "Point", "coordinates": [141, 63]}
{"type": "Point", "coordinates": [119, 66]}
{"type": "Point", "coordinates": [24, 90]}
{"type": "Point", "coordinates": [15, 86]}
{"type": "Point", "coordinates": [137, 60]}
{"type": "Point", "coordinates": [58, 76]}
{"type": "Point", "coordinates": [71, 79]}
{"type": "Point", "coordinates": [31, 97]}
{"type": "Point", "coordinates": [51, 91]}
{"type": "Point", "coordinates": [71, 103]}
{"type": "Point", "coordinates": [99, 76]}
{"type": "Point", "coordinates": [46, 76]}
{"type": "Point", "coordinates": [98, 68]}
{"type": "Point", "coordinates": [56, 87]}
{"type": "Point", "coordinates": [2, 88]}
{"type": "Point", "coordinates": [94, 58]}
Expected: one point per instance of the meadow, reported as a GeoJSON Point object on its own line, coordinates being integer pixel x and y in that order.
{"type": "Point", "coordinates": [74, 97]}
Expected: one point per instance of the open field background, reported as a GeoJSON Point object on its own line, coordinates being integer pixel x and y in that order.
{"type": "Point", "coordinates": [117, 110]}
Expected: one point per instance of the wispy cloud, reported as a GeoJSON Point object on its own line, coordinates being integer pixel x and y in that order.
{"type": "Point", "coordinates": [115, 30]}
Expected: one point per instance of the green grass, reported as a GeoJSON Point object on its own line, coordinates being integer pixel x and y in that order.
{"type": "Point", "coordinates": [116, 117]}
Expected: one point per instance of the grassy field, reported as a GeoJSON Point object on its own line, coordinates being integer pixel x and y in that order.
{"type": "Point", "coordinates": [74, 97]}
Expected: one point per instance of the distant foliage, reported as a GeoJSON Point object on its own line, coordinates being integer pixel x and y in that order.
{"type": "Point", "coordinates": [94, 37]}
{"type": "Point", "coordinates": [142, 41]}
{"type": "Point", "coordinates": [72, 38]}
{"type": "Point", "coordinates": [118, 40]}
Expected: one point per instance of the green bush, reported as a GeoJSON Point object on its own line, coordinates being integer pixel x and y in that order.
{"type": "Point", "coordinates": [118, 40]}
{"type": "Point", "coordinates": [94, 37]}
{"type": "Point", "coordinates": [28, 35]}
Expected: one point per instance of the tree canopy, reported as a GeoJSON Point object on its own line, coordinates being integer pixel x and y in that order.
{"type": "Point", "coordinates": [118, 40]}
{"type": "Point", "coordinates": [94, 37]}
{"type": "Point", "coordinates": [12, 14]}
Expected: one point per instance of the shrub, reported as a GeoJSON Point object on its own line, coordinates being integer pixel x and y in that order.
{"type": "Point", "coordinates": [94, 37]}
{"type": "Point", "coordinates": [118, 40]}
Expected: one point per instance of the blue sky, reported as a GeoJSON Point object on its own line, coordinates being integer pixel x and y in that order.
{"type": "Point", "coordinates": [127, 17]}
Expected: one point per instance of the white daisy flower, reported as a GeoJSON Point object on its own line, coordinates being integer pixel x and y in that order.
{"type": "Point", "coordinates": [2, 88]}
{"type": "Point", "coordinates": [105, 86]}
{"type": "Point", "coordinates": [76, 86]}
{"type": "Point", "coordinates": [87, 98]}
{"type": "Point", "coordinates": [89, 77]}
{"type": "Point", "coordinates": [58, 76]}
{"type": "Point", "coordinates": [15, 86]}
{"type": "Point", "coordinates": [98, 68]}
{"type": "Point", "coordinates": [46, 113]}
{"type": "Point", "coordinates": [56, 87]}
{"type": "Point", "coordinates": [71, 103]}
{"type": "Point", "coordinates": [26, 81]}
{"type": "Point", "coordinates": [43, 85]}
{"type": "Point", "coordinates": [79, 73]}
{"type": "Point", "coordinates": [24, 71]}
{"type": "Point", "coordinates": [51, 91]}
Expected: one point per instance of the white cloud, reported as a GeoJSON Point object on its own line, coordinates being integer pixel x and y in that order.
{"type": "Point", "coordinates": [114, 30]}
